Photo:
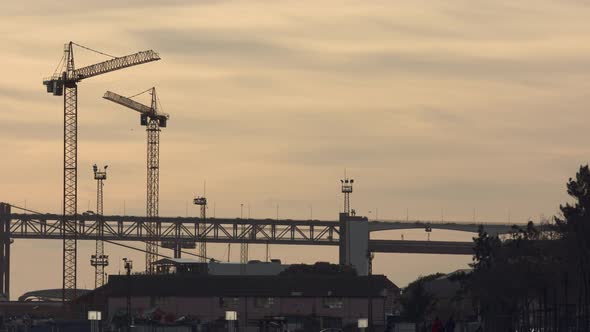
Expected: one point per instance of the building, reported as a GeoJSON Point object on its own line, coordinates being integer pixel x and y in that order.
{"type": "Point", "coordinates": [262, 303]}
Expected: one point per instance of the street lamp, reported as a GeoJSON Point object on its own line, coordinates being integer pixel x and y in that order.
{"type": "Point", "coordinates": [94, 317]}
{"type": "Point", "coordinates": [363, 323]}
{"type": "Point", "coordinates": [231, 317]}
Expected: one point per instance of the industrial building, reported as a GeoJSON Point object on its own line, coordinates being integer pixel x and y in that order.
{"type": "Point", "coordinates": [262, 302]}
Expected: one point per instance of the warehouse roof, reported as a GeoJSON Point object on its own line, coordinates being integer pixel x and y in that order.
{"type": "Point", "coordinates": [236, 286]}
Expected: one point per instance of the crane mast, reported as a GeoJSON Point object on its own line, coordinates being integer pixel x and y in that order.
{"type": "Point", "coordinates": [70, 178]}
{"type": "Point", "coordinates": [66, 83]}
{"type": "Point", "coordinates": [153, 186]}
{"type": "Point", "coordinates": [153, 120]}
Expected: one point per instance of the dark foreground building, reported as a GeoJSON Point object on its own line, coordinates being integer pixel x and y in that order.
{"type": "Point", "coordinates": [262, 303]}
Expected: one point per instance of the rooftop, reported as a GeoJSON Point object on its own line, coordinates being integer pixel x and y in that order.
{"type": "Point", "coordinates": [237, 286]}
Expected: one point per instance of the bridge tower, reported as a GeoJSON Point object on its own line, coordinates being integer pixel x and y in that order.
{"type": "Point", "coordinates": [99, 260]}
{"type": "Point", "coordinates": [354, 234]}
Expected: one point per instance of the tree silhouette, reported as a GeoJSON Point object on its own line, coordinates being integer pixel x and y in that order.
{"type": "Point", "coordinates": [416, 302]}
{"type": "Point", "coordinates": [574, 228]}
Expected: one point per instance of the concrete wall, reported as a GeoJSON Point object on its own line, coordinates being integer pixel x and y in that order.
{"type": "Point", "coordinates": [359, 245]}
{"type": "Point", "coordinates": [354, 242]}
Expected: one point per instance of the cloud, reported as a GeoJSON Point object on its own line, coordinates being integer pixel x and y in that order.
{"type": "Point", "coordinates": [457, 103]}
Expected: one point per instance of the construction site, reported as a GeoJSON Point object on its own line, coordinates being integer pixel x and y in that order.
{"type": "Point", "coordinates": [294, 166]}
{"type": "Point", "coordinates": [183, 287]}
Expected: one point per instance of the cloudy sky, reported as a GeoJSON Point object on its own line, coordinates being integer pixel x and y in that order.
{"type": "Point", "coordinates": [438, 109]}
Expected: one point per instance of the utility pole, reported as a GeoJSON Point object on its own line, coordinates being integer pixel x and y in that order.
{"type": "Point", "coordinates": [99, 260]}
{"type": "Point", "coordinates": [65, 82]}
{"type": "Point", "coordinates": [128, 267]}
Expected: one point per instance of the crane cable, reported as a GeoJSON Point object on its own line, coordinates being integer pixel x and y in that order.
{"type": "Point", "coordinates": [62, 63]}
{"type": "Point", "coordinates": [159, 104]}
{"type": "Point", "coordinates": [116, 243]}
{"type": "Point", "coordinates": [137, 94]}
{"type": "Point", "coordinates": [92, 50]}
{"type": "Point", "coordinates": [59, 66]}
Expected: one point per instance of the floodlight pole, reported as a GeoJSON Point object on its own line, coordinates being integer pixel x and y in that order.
{"type": "Point", "coordinates": [128, 267]}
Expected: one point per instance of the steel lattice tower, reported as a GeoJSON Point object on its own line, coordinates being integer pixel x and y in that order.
{"type": "Point", "coordinates": [153, 120]}
{"type": "Point", "coordinates": [99, 260]}
{"type": "Point", "coordinates": [70, 187]}
{"type": "Point", "coordinates": [347, 190]}
{"type": "Point", "coordinates": [65, 82]}
{"type": "Point", "coordinates": [153, 189]}
{"type": "Point", "coordinates": [202, 245]}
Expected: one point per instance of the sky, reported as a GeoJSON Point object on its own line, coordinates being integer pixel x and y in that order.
{"type": "Point", "coordinates": [455, 110]}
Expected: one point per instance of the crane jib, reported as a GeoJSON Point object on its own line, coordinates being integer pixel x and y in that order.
{"type": "Point", "coordinates": [115, 64]}
{"type": "Point", "coordinates": [146, 111]}
{"type": "Point", "coordinates": [55, 84]}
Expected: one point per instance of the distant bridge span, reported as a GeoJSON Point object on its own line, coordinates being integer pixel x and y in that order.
{"type": "Point", "coordinates": [491, 228]}
{"type": "Point", "coordinates": [421, 247]}
{"type": "Point", "coordinates": [187, 231]}
{"type": "Point", "coordinates": [262, 231]}
{"type": "Point", "coordinates": [257, 231]}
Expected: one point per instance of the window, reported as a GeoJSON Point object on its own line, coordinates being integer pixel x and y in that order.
{"type": "Point", "coordinates": [264, 302]}
{"type": "Point", "coordinates": [228, 302]}
{"type": "Point", "coordinates": [332, 302]}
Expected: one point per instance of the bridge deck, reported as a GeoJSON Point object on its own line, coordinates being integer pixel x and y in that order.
{"type": "Point", "coordinates": [226, 230]}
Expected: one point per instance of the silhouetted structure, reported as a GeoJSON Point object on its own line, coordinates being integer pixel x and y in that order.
{"type": "Point", "coordinates": [310, 301]}
{"type": "Point", "coordinates": [65, 82]}
{"type": "Point", "coordinates": [99, 260]}
{"type": "Point", "coordinates": [153, 119]}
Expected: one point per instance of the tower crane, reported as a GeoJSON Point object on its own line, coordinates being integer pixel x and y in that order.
{"type": "Point", "coordinates": [65, 82]}
{"type": "Point", "coordinates": [153, 119]}
{"type": "Point", "coordinates": [99, 260]}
